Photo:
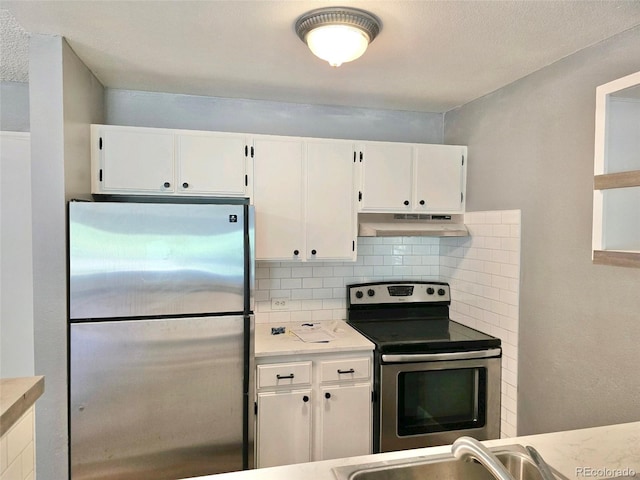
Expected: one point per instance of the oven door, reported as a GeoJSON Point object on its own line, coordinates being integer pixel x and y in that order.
{"type": "Point", "coordinates": [432, 399]}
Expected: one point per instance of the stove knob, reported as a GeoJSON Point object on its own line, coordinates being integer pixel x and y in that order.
{"type": "Point", "coordinates": [358, 294]}
{"type": "Point", "coordinates": [441, 292]}
{"type": "Point", "coordinates": [371, 292]}
{"type": "Point", "coordinates": [430, 291]}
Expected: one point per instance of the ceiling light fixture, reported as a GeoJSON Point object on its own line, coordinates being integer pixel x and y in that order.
{"type": "Point", "coordinates": [337, 34]}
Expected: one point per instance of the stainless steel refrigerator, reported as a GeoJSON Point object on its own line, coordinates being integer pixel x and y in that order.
{"type": "Point", "coordinates": [160, 339]}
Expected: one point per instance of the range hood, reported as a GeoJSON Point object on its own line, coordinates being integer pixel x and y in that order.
{"type": "Point", "coordinates": [410, 225]}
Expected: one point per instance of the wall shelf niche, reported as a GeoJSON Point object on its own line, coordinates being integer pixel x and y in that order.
{"type": "Point", "coordinates": [616, 196]}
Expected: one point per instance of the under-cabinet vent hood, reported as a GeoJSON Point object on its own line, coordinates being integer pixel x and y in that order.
{"type": "Point", "coordinates": [410, 225]}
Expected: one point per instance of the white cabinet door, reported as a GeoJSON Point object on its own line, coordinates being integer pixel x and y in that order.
{"type": "Point", "coordinates": [330, 201]}
{"type": "Point", "coordinates": [439, 178]}
{"type": "Point", "coordinates": [278, 198]}
{"type": "Point", "coordinates": [135, 160]}
{"type": "Point", "coordinates": [211, 164]}
{"type": "Point", "coordinates": [346, 421]}
{"type": "Point", "coordinates": [386, 177]}
{"type": "Point", "coordinates": [283, 428]}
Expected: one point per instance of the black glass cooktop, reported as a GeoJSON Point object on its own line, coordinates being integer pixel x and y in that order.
{"type": "Point", "coordinates": [423, 335]}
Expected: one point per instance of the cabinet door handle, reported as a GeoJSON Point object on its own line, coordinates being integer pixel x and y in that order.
{"type": "Point", "coordinates": [167, 184]}
{"type": "Point", "coordinates": [283, 377]}
{"type": "Point", "coordinates": [185, 185]}
{"type": "Point", "coordinates": [313, 252]}
{"type": "Point", "coordinates": [343, 372]}
{"type": "Point", "coordinates": [406, 202]}
{"type": "Point", "coordinates": [327, 395]}
{"type": "Point", "coordinates": [421, 202]}
{"type": "Point", "coordinates": [305, 399]}
{"type": "Point", "coordinates": [296, 252]}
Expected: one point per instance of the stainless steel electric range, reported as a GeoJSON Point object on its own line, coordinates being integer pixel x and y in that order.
{"type": "Point", "coordinates": [434, 379]}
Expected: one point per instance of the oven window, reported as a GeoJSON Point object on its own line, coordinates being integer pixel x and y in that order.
{"type": "Point", "coordinates": [441, 400]}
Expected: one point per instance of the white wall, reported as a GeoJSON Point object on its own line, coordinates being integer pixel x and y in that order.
{"type": "Point", "coordinates": [14, 114]}
{"type": "Point", "coordinates": [164, 110]}
{"type": "Point", "coordinates": [16, 275]}
{"type": "Point", "coordinates": [49, 264]}
{"type": "Point", "coordinates": [65, 99]}
{"type": "Point", "coordinates": [532, 148]}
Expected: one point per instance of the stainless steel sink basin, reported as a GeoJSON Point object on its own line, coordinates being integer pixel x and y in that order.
{"type": "Point", "coordinates": [446, 467]}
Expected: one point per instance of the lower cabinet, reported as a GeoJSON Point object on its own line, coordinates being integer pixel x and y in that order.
{"type": "Point", "coordinates": [344, 417]}
{"type": "Point", "coordinates": [284, 427]}
{"type": "Point", "coordinates": [316, 407]}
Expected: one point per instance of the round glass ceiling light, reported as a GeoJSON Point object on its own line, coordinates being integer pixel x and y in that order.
{"type": "Point", "coordinates": [337, 34]}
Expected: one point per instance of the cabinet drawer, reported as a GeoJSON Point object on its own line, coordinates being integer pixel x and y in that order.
{"type": "Point", "coordinates": [347, 369]}
{"type": "Point", "coordinates": [284, 374]}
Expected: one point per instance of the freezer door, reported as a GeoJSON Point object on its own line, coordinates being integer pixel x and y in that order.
{"type": "Point", "coordinates": [159, 399]}
{"type": "Point", "coordinates": [150, 259]}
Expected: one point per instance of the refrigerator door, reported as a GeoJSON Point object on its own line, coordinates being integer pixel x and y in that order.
{"type": "Point", "coordinates": [157, 399]}
{"type": "Point", "coordinates": [149, 259]}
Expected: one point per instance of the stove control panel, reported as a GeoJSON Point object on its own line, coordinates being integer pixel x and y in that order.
{"type": "Point", "coordinates": [398, 292]}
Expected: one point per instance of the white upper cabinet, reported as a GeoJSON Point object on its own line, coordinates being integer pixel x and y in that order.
{"type": "Point", "coordinates": [133, 160]}
{"type": "Point", "coordinates": [151, 161]}
{"type": "Point", "coordinates": [307, 192]}
{"type": "Point", "coordinates": [212, 163]}
{"type": "Point", "coordinates": [330, 200]}
{"type": "Point", "coordinates": [416, 178]}
{"type": "Point", "coordinates": [386, 176]}
{"type": "Point", "coordinates": [278, 198]}
{"type": "Point", "coordinates": [304, 196]}
{"type": "Point", "coordinates": [439, 179]}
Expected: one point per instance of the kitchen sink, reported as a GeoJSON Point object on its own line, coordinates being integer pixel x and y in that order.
{"type": "Point", "coordinates": [446, 467]}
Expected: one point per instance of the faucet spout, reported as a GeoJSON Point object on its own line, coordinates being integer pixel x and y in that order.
{"type": "Point", "coordinates": [467, 447]}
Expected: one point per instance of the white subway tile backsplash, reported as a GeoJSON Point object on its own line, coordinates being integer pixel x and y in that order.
{"type": "Point", "coordinates": [280, 272]}
{"type": "Point", "coordinates": [17, 449]}
{"type": "Point", "coordinates": [291, 283]}
{"type": "Point", "coordinates": [380, 271]}
{"type": "Point", "coordinates": [485, 283]}
{"type": "Point", "coordinates": [301, 272]}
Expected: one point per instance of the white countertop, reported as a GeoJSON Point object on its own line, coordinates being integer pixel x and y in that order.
{"type": "Point", "coordinates": [346, 340]}
{"type": "Point", "coordinates": [597, 451]}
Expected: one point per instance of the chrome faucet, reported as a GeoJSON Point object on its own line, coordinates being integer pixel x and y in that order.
{"type": "Point", "coordinates": [467, 447]}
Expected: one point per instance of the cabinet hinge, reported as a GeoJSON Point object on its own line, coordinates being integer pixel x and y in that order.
{"type": "Point", "coordinates": [246, 151]}
{"type": "Point", "coordinates": [100, 175]}
{"type": "Point", "coordinates": [252, 151]}
{"type": "Point", "coordinates": [255, 408]}
{"type": "Point", "coordinates": [373, 396]}
{"type": "Point", "coordinates": [461, 197]}
{"type": "Point", "coordinates": [361, 156]}
{"type": "Point", "coordinates": [463, 160]}
{"type": "Point", "coordinates": [246, 180]}
{"type": "Point", "coordinates": [359, 196]}
{"type": "Point", "coordinates": [100, 143]}
{"type": "Point", "coordinates": [354, 157]}
{"type": "Point", "coordinates": [353, 246]}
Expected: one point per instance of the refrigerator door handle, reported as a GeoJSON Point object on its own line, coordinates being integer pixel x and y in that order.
{"type": "Point", "coordinates": [249, 389]}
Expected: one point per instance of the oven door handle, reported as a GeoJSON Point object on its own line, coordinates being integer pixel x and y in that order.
{"type": "Point", "coordinates": [438, 357]}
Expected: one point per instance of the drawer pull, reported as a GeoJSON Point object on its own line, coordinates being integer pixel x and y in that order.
{"type": "Point", "coordinates": [342, 372]}
{"type": "Point", "coordinates": [282, 377]}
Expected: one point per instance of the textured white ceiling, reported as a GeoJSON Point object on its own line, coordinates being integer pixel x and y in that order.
{"type": "Point", "coordinates": [14, 49]}
{"type": "Point", "coordinates": [430, 55]}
